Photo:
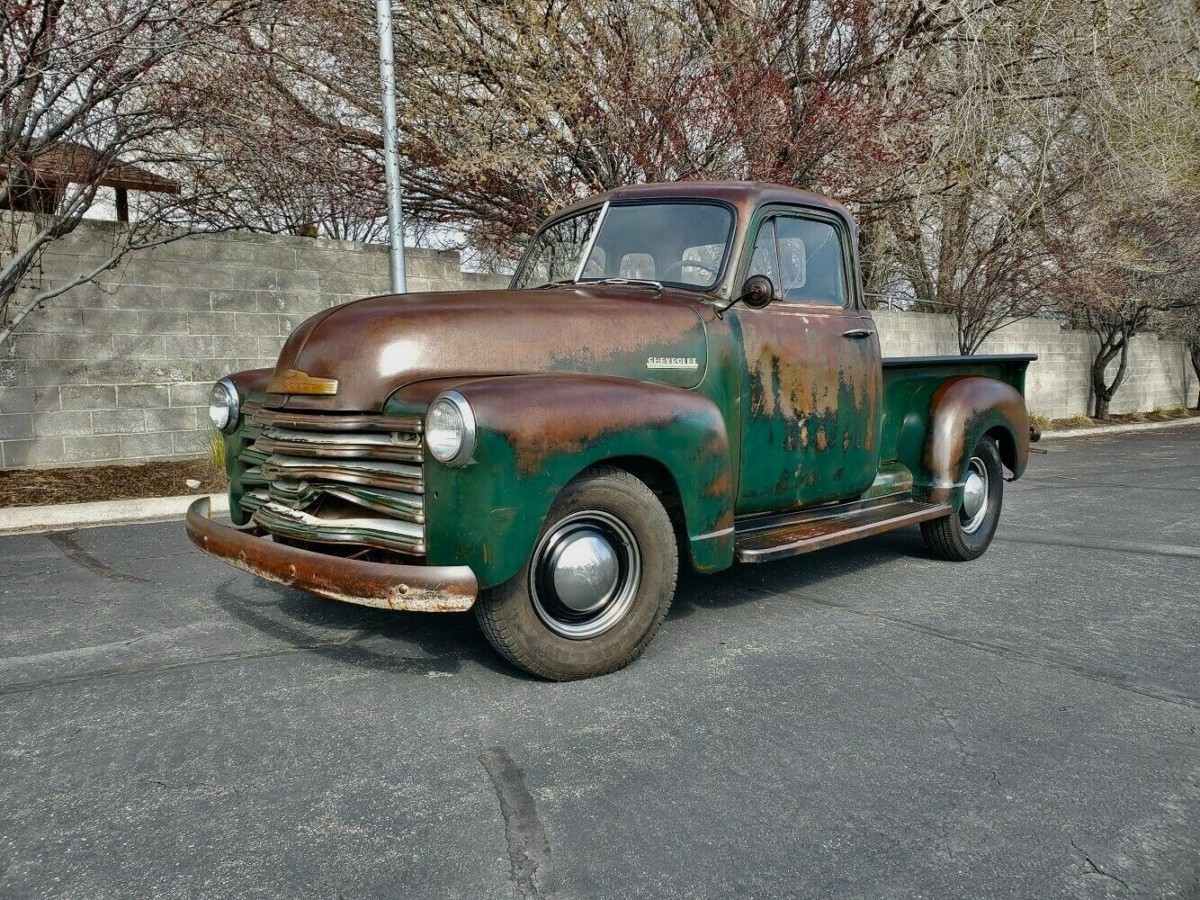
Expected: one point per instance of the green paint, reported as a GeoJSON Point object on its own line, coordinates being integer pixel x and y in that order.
{"type": "Point", "coordinates": [487, 514]}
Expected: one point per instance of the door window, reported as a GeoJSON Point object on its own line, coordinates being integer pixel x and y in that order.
{"type": "Point", "coordinates": [803, 259]}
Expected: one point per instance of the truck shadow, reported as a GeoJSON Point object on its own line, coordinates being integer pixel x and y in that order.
{"type": "Point", "coordinates": [423, 644]}
{"type": "Point", "coordinates": [744, 583]}
{"type": "Point", "coordinates": [416, 643]}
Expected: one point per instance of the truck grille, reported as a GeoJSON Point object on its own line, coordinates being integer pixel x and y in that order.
{"type": "Point", "coordinates": [344, 479]}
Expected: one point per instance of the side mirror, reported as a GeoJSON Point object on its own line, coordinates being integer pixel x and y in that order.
{"type": "Point", "coordinates": [758, 291]}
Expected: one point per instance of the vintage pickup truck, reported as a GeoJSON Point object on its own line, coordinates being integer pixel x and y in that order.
{"type": "Point", "coordinates": [680, 374]}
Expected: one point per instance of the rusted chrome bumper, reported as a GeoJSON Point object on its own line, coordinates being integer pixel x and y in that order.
{"type": "Point", "coordinates": [417, 588]}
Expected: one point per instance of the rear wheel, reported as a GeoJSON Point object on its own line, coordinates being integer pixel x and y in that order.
{"type": "Point", "coordinates": [597, 586]}
{"type": "Point", "coordinates": [966, 534]}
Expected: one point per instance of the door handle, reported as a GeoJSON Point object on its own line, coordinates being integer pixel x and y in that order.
{"type": "Point", "coordinates": [857, 333]}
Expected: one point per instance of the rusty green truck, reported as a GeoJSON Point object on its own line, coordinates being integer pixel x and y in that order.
{"type": "Point", "coordinates": [679, 375]}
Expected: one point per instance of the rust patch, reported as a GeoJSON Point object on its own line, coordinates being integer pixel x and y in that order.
{"type": "Point", "coordinates": [379, 585]}
{"type": "Point", "coordinates": [376, 345]}
{"type": "Point", "coordinates": [960, 410]}
{"type": "Point", "coordinates": [600, 407]}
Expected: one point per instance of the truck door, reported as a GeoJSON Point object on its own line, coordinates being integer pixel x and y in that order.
{"type": "Point", "coordinates": [813, 376]}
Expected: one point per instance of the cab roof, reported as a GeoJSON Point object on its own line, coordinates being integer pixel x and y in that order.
{"type": "Point", "coordinates": [745, 196]}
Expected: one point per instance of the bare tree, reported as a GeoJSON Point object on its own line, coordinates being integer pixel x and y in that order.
{"type": "Point", "coordinates": [1183, 324]}
{"type": "Point", "coordinates": [95, 94]}
{"type": "Point", "coordinates": [1140, 270]}
{"type": "Point", "coordinates": [967, 236]}
{"type": "Point", "coordinates": [512, 110]}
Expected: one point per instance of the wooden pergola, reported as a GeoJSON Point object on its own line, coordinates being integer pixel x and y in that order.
{"type": "Point", "coordinates": [50, 173]}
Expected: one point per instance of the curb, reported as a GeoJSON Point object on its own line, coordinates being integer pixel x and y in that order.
{"type": "Point", "coordinates": [67, 516]}
{"type": "Point", "coordinates": [1119, 429]}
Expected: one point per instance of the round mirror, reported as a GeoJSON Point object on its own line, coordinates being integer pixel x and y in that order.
{"type": "Point", "coordinates": [758, 291]}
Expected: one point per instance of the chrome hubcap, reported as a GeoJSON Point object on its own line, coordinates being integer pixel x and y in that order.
{"type": "Point", "coordinates": [585, 574]}
{"type": "Point", "coordinates": [975, 496]}
{"type": "Point", "coordinates": [584, 570]}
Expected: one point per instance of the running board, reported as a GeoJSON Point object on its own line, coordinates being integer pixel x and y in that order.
{"type": "Point", "coordinates": [765, 539]}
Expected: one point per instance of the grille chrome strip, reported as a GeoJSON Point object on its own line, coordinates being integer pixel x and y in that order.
{"type": "Point", "coordinates": [352, 471]}
{"type": "Point", "coordinates": [386, 533]}
{"type": "Point", "coordinates": [325, 422]}
{"type": "Point", "coordinates": [307, 473]}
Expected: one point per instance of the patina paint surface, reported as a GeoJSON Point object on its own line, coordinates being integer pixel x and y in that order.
{"type": "Point", "coordinates": [936, 413]}
{"type": "Point", "coordinates": [537, 433]}
{"type": "Point", "coordinates": [374, 346]}
{"type": "Point", "coordinates": [398, 587]}
{"type": "Point", "coordinates": [760, 412]}
{"type": "Point", "coordinates": [811, 409]}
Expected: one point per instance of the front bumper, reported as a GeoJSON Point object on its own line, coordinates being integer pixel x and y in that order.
{"type": "Point", "coordinates": [385, 586]}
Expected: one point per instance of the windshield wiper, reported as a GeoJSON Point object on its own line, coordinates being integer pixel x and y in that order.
{"type": "Point", "coordinates": [558, 283]}
{"type": "Point", "coordinates": [649, 282]}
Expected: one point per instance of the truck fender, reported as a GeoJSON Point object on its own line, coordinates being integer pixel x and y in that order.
{"type": "Point", "coordinates": [961, 411]}
{"type": "Point", "coordinates": [250, 381]}
{"type": "Point", "coordinates": [535, 433]}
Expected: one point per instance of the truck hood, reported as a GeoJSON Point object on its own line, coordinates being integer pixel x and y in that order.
{"type": "Point", "coordinates": [377, 345]}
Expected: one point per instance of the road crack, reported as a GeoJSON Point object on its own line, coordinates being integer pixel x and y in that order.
{"type": "Point", "coordinates": [71, 549]}
{"type": "Point", "coordinates": [528, 847]}
{"type": "Point", "coordinates": [1096, 870]}
{"type": "Point", "coordinates": [1108, 678]}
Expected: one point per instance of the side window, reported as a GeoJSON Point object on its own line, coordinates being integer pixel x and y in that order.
{"type": "Point", "coordinates": [810, 262]}
{"type": "Point", "coordinates": [764, 261]}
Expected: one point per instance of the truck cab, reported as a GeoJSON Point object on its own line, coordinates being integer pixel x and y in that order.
{"type": "Point", "coordinates": [680, 375]}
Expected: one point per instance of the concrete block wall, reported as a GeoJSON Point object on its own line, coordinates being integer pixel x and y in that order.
{"type": "Point", "coordinates": [1159, 377]}
{"type": "Point", "coordinates": [120, 371]}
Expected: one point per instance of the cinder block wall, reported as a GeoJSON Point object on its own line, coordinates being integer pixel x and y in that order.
{"type": "Point", "coordinates": [1160, 375]}
{"type": "Point", "coordinates": [120, 371]}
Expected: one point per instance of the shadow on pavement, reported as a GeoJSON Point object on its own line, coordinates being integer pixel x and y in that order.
{"type": "Point", "coordinates": [744, 583]}
{"type": "Point", "coordinates": [442, 642]}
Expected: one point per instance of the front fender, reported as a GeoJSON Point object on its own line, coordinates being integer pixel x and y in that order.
{"type": "Point", "coordinates": [251, 381]}
{"type": "Point", "coordinates": [537, 432]}
{"type": "Point", "coordinates": [961, 411]}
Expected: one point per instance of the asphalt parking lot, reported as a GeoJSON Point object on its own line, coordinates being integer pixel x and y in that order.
{"type": "Point", "coordinates": [864, 721]}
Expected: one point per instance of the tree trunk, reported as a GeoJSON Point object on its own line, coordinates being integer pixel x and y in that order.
{"type": "Point", "coordinates": [1101, 388]}
{"type": "Point", "coordinates": [1194, 352]}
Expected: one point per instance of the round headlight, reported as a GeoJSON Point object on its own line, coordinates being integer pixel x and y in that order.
{"type": "Point", "coordinates": [223, 405]}
{"type": "Point", "coordinates": [450, 429]}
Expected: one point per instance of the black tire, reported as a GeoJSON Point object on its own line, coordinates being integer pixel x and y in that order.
{"type": "Point", "coordinates": [959, 536]}
{"type": "Point", "coordinates": [525, 620]}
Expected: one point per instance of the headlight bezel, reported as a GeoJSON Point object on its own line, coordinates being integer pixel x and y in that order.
{"type": "Point", "coordinates": [228, 401]}
{"type": "Point", "coordinates": [466, 445]}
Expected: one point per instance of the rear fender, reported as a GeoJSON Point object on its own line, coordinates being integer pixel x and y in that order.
{"type": "Point", "coordinates": [937, 446]}
{"type": "Point", "coordinates": [535, 433]}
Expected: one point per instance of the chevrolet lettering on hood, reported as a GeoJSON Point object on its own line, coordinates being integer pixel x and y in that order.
{"type": "Point", "coordinates": [679, 377]}
{"type": "Point", "coordinates": [672, 362]}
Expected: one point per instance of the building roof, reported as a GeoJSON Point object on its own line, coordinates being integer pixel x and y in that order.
{"type": "Point", "coordinates": [71, 162]}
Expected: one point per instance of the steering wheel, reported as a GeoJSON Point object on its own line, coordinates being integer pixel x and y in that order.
{"type": "Point", "coordinates": [686, 263]}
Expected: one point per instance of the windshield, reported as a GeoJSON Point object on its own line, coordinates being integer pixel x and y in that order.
{"type": "Point", "coordinates": [682, 244]}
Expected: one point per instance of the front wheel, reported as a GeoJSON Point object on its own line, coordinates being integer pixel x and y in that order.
{"type": "Point", "coordinates": [596, 587]}
{"type": "Point", "coordinates": [964, 535]}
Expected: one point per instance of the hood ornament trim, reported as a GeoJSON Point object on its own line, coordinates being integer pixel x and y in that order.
{"type": "Point", "coordinates": [293, 381]}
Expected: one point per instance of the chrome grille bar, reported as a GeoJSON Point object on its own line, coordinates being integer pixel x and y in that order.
{"type": "Point", "coordinates": [337, 479]}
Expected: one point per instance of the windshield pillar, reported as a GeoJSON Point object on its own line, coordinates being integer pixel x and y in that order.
{"type": "Point", "coordinates": [591, 241]}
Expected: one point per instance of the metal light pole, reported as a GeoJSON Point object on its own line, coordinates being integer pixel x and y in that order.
{"type": "Point", "coordinates": [391, 158]}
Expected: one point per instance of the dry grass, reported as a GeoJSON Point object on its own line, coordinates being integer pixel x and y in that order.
{"type": "Point", "coordinates": [83, 484]}
{"type": "Point", "coordinates": [1161, 414]}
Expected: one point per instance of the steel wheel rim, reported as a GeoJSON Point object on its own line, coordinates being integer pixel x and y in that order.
{"type": "Point", "coordinates": [568, 577]}
{"type": "Point", "coordinates": [976, 484]}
